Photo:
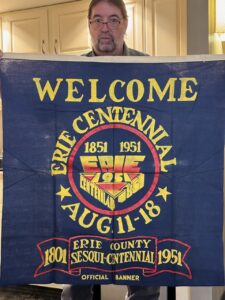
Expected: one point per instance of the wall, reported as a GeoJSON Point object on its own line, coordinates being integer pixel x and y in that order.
{"type": "Point", "coordinates": [197, 27]}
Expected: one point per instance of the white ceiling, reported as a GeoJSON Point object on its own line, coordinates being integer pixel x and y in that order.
{"type": "Point", "coordinates": [10, 5]}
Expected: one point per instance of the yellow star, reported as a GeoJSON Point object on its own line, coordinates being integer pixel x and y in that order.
{"type": "Point", "coordinates": [64, 192]}
{"type": "Point", "coordinates": [163, 193]}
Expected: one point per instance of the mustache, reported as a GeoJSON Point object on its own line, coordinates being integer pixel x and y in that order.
{"type": "Point", "coordinates": [102, 36]}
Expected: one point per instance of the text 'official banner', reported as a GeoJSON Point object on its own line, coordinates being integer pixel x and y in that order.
{"type": "Point", "coordinates": [113, 172]}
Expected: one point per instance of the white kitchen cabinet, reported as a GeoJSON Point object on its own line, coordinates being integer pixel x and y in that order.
{"type": "Point", "coordinates": [62, 29]}
{"type": "Point", "coordinates": [134, 34]}
{"type": "Point", "coordinates": [157, 27]}
{"type": "Point", "coordinates": [25, 31]}
{"type": "Point", "coordinates": [68, 28]}
{"type": "Point", "coordinates": [165, 30]}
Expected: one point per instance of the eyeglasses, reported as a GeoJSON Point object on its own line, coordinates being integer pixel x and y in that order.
{"type": "Point", "coordinates": [112, 23]}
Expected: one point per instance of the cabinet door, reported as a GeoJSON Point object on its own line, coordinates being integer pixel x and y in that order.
{"type": "Point", "coordinates": [25, 31]}
{"type": "Point", "coordinates": [134, 35]}
{"type": "Point", "coordinates": [68, 28]}
{"type": "Point", "coordinates": [166, 27]}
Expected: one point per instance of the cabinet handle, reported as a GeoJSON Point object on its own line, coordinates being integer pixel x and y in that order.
{"type": "Point", "coordinates": [56, 46]}
{"type": "Point", "coordinates": [43, 50]}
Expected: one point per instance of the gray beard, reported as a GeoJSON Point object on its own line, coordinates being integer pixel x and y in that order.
{"type": "Point", "coordinates": [111, 47]}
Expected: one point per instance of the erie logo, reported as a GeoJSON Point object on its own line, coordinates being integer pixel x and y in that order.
{"type": "Point", "coordinates": [112, 178]}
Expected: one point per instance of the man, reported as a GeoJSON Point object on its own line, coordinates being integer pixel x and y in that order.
{"type": "Point", "coordinates": [108, 22]}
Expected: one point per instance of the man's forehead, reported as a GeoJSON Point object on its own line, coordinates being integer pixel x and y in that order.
{"type": "Point", "coordinates": [101, 16]}
{"type": "Point", "coordinates": [103, 9]}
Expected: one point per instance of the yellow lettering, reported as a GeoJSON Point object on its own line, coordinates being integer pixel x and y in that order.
{"type": "Point", "coordinates": [57, 169]}
{"type": "Point", "coordinates": [112, 90]}
{"type": "Point", "coordinates": [73, 208]}
{"type": "Point", "coordinates": [104, 229]}
{"type": "Point", "coordinates": [77, 128]}
{"type": "Point", "coordinates": [47, 88]}
{"type": "Point", "coordinates": [89, 164]}
{"type": "Point", "coordinates": [170, 87]}
{"type": "Point", "coordinates": [164, 150]}
{"type": "Point", "coordinates": [165, 163]}
{"type": "Point", "coordinates": [73, 89]}
{"type": "Point", "coordinates": [130, 90]}
{"type": "Point", "coordinates": [131, 163]}
{"type": "Point", "coordinates": [89, 116]}
{"type": "Point", "coordinates": [84, 215]}
{"type": "Point", "coordinates": [94, 97]}
{"type": "Point", "coordinates": [186, 88]}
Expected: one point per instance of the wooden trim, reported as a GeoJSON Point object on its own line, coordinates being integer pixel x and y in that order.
{"type": "Point", "coordinates": [148, 27]}
{"type": "Point", "coordinates": [182, 9]}
{"type": "Point", "coordinates": [0, 32]}
{"type": "Point", "coordinates": [212, 16]}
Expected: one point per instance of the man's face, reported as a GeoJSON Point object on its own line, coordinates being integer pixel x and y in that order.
{"type": "Point", "coordinates": [107, 39]}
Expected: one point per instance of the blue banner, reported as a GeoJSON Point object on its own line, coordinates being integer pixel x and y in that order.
{"type": "Point", "coordinates": [113, 172]}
